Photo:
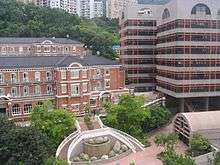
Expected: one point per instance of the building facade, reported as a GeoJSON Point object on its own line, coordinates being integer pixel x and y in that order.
{"type": "Point", "coordinates": [12, 46]}
{"type": "Point", "coordinates": [138, 46]}
{"type": "Point", "coordinates": [70, 82]}
{"type": "Point", "coordinates": [115, 7]}
{"type": "Point", "coordinates": [187, 50]}
{"type": "Point", "coordinates": [98, 8]}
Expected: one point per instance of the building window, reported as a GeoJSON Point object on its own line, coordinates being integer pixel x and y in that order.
{"type": "Point", "coordinates": [85, 87]}
{"type": "Point", "coordinates": [63, 74]}
{"type": "Point", "coordinates": [63, 88]}
{"type": "Point", "coordinates": [75, 89]}
{"type": "Point", "coordinates": [26, 91]}
{"type": "Point", "coordinates": [84, 73]}
{"type": "Point", "coordinates": [27, 108]}
{"type": "Point", "coordinates": [75, 107]}
{"type": "Point", "coordinates": [107, 72]}
{"type": "Point", "coordinates": [92, 102]}
{"type": "Point", "coordinates": [48, 76]}
{"type": "Point", "coordinates": [49, 89]}
{"type": "Point", "coordinates": [16, 110]}
{"type": "Point", "coordinates": [107, 83]}
{"type": "Point", "coordinates": [75, 74]}
{"type": "Point", "coordinates": [1, 78]}
{"type": "Point", "coordinates": [166, 14]}
{"type": "Point", "coordinates": [25, 77]}
{"type": "Point", "coordinates": [13, 91]}
{"type": "Point", "coordinates": [37, 76]}
{"type": "Point", "coordinates": [2, 92]}
{"type": "Point", "coordinates": [37, 90]}
{"type": "Point", "coordinates": [201, 9]}
{"type": "Point", "coordinates": [13, 77]}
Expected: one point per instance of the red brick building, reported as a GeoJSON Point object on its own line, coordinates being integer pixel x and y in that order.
{"type": "Point", "coordinates": [13, 46]}
{"type": "Point", "coordinates": [71, 82]}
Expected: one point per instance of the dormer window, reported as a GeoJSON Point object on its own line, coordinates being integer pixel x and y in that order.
{"type": "Point", "coordinates": [166, 14]}
{"type": "Point", "coordinates": [200, 9]}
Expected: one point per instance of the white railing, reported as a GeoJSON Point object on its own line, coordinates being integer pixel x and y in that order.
{"type": "Point", "coordinates": [160, 100]}
{"type": "Point", "coordinates": [137, 142]}
{"type": "Point", "coordinates": [78, 126]}
{"type": "Point", "coordinates": [66, 140]}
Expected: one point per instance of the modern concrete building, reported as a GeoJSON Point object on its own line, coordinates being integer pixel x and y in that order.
{"type": "Point", "coordinates": [98, 8]}
{"type": "Point", "coordinates": [115, 7]}
{"type": "Point", "coordinates": [138, 46]}
{"type": "Point", "coordinates": [188, 48]}
{"type": "Point", "coordinates": [71, 82]}
{"type": "Point", "coordinates": [186, 51]}
{"type": "Point", "coordinates": [85, 8]}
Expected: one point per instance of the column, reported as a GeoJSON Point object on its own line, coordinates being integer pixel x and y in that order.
{"type": "Point", "coordinates": [206, 103]}
{"type": "Point", "coordinates": [181, 105]}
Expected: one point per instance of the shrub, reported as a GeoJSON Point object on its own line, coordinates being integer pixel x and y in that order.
{"type": "Point", "coordinates": [199, 145]}
{"type": "Point", "coordinates": [172, 158]}
{"type": "Point", "coordinates": [217, 159]}
{"type": "Point", "coordinates": [88, 122]}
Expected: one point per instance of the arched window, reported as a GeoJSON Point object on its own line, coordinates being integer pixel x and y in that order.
{"type": "Point", "coordinates": [201, 9]}
{"type": "Point", "coordinates": [166, 14]}
{"type": "Point", "coordinates": [16, 109]}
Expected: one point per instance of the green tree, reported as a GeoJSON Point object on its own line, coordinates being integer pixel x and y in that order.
{"type": "Point", "coordinates": [54, 161]}
{"type": "Point", "coordinates": [167, 141]}
{"type": "Point", "coordinates": [128, 115]}
{"type": "Point", "coordinates": [25, 145]}
{"type": "Point", "coordinates": [159, 117]}
{"type": "Point", "coordinates": [199, 145]}
{"type": "Point", "coordinates": [56, 123]}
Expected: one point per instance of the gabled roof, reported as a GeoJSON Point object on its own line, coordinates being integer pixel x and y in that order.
{"type": "Point", "coordinates": [14, 62]}
{"type": "Point", "coordinates": [29, 40]}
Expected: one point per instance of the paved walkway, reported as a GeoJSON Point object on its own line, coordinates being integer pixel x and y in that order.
{"type": "Point", "coordinates": [84, 127]}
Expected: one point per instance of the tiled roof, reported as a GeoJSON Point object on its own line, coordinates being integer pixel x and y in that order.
{"type": "Point", "coordinates": [13, 62]}
{"type": "Point", "coordinates": [153, 2]}
{"type": "Point", "coordinates": [22, 40]}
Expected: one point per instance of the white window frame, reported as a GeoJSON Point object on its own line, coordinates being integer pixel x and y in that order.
{"type": "Point", "coordinates": [49, 89]}
{"type": "Point", "coordinates": [16, 91]}
{"type": "Point", "coordinates": [85, 87]}
{"type": "Point", "coordinates": [37, 89]}
{"type": "Point", "coordinates": [49, 76]}
{"type": "Point", "coordinates": [16, 110]}
{"type": "Point", "coordinates": [25, 79]}
{"type": "Point", "coordinates": [75, 107]}
{"type": "Point", "coordinates": [2, 91]}
{"type": "Point", "coordinates": [27, 89]}
{"type": "Point", "coordinates": [75, 89]}
{"type": "Point", "coordinates": [75, 74]}
{"type": "Point", "coordinates": [37, 76]}
{"type": "Point", "coordinates": [27, 109]}
{"type": "Point", "coordinates": [109, 81]}
{"type": "Point", "coordinates": [13, 77]}
{"type": "Point", "coordinates": [63, 88]}
{"type": "Point", "coordinates": [63, 74]}
{"type": "Point", "coordinates": [84, 73]}
{"type": "Point", "coordinates": [1, 78]}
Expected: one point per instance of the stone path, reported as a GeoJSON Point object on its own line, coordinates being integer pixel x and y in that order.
{"type": "Point", "coordinates": [84, 127]}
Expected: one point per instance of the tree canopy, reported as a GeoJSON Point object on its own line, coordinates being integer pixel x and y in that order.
{"type": "Point", "coordinates": [27, 20]}
{"type": "Point", "coordinates": [26, 145]}
{"type": "Point", "coordinates": [55, 123]}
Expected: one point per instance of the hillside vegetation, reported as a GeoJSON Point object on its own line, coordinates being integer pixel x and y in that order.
{"type": "Point", "coordinates": [21, 20]}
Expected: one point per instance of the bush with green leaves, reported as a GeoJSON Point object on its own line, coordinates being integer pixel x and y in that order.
{"type": "Point", "coordinates": [172, 158]}
{"type": "Point", "coordinates": [168, 141]}
{"type": "Point", "coordinates": [159, 116]}
{"type": "Point", "coordinates": [217, 159]}
{"type": "Point", "coordinates": [199, 145]}
{"type": "Point", "coordinates": [55, 123]}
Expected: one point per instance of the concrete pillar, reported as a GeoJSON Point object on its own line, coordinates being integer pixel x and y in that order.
{"type": "Point", "coordinates": [181, 105]}
{"type": "Point", "coordinates": [206, 103]}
